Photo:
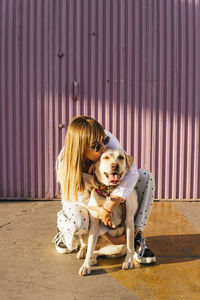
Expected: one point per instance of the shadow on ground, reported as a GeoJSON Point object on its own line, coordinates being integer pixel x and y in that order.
{"type": "Point", "coordinates": [169, 249]}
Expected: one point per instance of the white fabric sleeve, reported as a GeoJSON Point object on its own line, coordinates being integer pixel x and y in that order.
{"type": "Point", "coordinates": [128, 183]}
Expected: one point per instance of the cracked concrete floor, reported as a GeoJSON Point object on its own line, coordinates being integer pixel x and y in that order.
{"type": "Point", "coordinates": [30, 268]}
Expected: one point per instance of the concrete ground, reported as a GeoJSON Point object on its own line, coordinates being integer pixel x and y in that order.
{"type": "Point", "coordinates": [30, 268]}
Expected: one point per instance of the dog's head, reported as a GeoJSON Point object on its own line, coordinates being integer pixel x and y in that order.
{"type": "Point", "coordinates": [112, 166]}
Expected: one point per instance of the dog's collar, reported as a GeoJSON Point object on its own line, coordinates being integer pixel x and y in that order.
{"type": "Point", "coordinates": [103, 190]}
{"type": "Point", "coordinates": [101, 193]}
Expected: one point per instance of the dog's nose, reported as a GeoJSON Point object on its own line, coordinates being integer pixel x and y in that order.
{"type": "Point", "coordinates": [115, 167]}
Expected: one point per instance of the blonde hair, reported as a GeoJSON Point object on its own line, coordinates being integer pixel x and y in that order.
{"type": "Point", "coordinates": [81, 133]}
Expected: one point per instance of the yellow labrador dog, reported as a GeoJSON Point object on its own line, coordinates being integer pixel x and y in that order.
{"type": "Point", "coordinates": [109, 171]}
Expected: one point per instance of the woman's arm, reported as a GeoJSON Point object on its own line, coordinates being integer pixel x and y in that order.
{"type": "Point", "coordinates": [112, 202]}
{"type": "Point", "coordinates": [105, 211]}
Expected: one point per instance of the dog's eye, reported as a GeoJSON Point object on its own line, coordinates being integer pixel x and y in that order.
{"type": "Point", "coordinates": [121, 157]}
{"type": "Point", "coordinates": [106, 157]}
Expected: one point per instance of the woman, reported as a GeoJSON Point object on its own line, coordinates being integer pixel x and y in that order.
{"type": "Point", "coordinates": [85, 141]}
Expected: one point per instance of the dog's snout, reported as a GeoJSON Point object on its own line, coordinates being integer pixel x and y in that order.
{"type": "Point", "coordinates": [115, 167]}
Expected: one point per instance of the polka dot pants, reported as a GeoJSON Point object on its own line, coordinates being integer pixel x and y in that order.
{"type": "Point", "coordinates": [145, 188]}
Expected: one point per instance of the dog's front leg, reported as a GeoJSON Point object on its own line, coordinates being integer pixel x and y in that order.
{"type": "Point", "coordinates": [128, 262]}
{"type": "Point", "coordinates": [83, 248]}
{"type": "Point", "coordinates": [85, 269]}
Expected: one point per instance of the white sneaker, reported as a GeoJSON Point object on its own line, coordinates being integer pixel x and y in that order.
{"type": "Point", "coordinates": [58, 240]}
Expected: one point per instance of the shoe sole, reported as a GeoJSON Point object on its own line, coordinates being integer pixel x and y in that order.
{"type": "Point", "coordinates": [145, 260]}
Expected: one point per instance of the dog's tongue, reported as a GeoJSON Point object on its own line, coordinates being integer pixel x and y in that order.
{"type": "Point", "coordinates": [114, 178]}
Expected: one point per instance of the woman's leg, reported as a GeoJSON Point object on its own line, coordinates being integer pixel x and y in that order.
{"type": "Point", "coordinates": [145, 188]}
{"type": "Point", "coordinates": [72, 222]}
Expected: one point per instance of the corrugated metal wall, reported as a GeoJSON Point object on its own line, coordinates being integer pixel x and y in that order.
{"type": "Point", "coordinates": [174, 87]}
{"type": "Point", "coordinates": [24, 133]}
{"type": "Point", "coordinates": [137, 65]}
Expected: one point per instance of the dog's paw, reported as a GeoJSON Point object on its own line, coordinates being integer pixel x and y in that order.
{"type": "Point", "coordinates": [81, 253]}
{"type": "Point", "coordinates": [127, 265]}
{"type": "Point", "coordinates": [94, 260]}
{"type": "Point", "coordinates": [83, 271]}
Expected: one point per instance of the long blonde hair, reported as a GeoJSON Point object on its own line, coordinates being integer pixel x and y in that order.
{"type": "Point", "coordinates": [81, 133]}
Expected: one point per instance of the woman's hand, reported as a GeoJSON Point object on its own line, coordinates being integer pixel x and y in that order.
{"type": "Point", "coordinates": [105, 211]}
{"type": "Point", "coordinates": [104, 215]}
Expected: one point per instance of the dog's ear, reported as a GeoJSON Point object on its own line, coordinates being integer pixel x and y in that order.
{"type": "Point", "coordinates": [129, 161]}
{"type": "Point", "coordinates": [91, 169]}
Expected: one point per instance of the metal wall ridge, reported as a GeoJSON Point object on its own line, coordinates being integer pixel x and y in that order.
{"type": "Point", "coordinates": [132, 65]}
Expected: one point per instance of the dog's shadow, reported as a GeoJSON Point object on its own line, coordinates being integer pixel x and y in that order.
{"type": "Point", "coordinates": [168, 249]}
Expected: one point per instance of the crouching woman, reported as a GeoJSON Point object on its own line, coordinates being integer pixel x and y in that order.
{"type": "Point", "coordinates": [85, 142]}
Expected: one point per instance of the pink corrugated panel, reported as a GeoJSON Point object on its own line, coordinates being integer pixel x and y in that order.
{"type": "Point", "coordinates": [24, 123]}
{"type": "Point", "coordinates": [132, 65]}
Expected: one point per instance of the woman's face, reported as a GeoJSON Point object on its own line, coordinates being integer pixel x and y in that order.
{"type": "Point", "coordinates": [90, 153]}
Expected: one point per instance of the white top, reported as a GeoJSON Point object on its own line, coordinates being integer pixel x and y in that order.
{"type": "Point", "coordinates": [125, 187]}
